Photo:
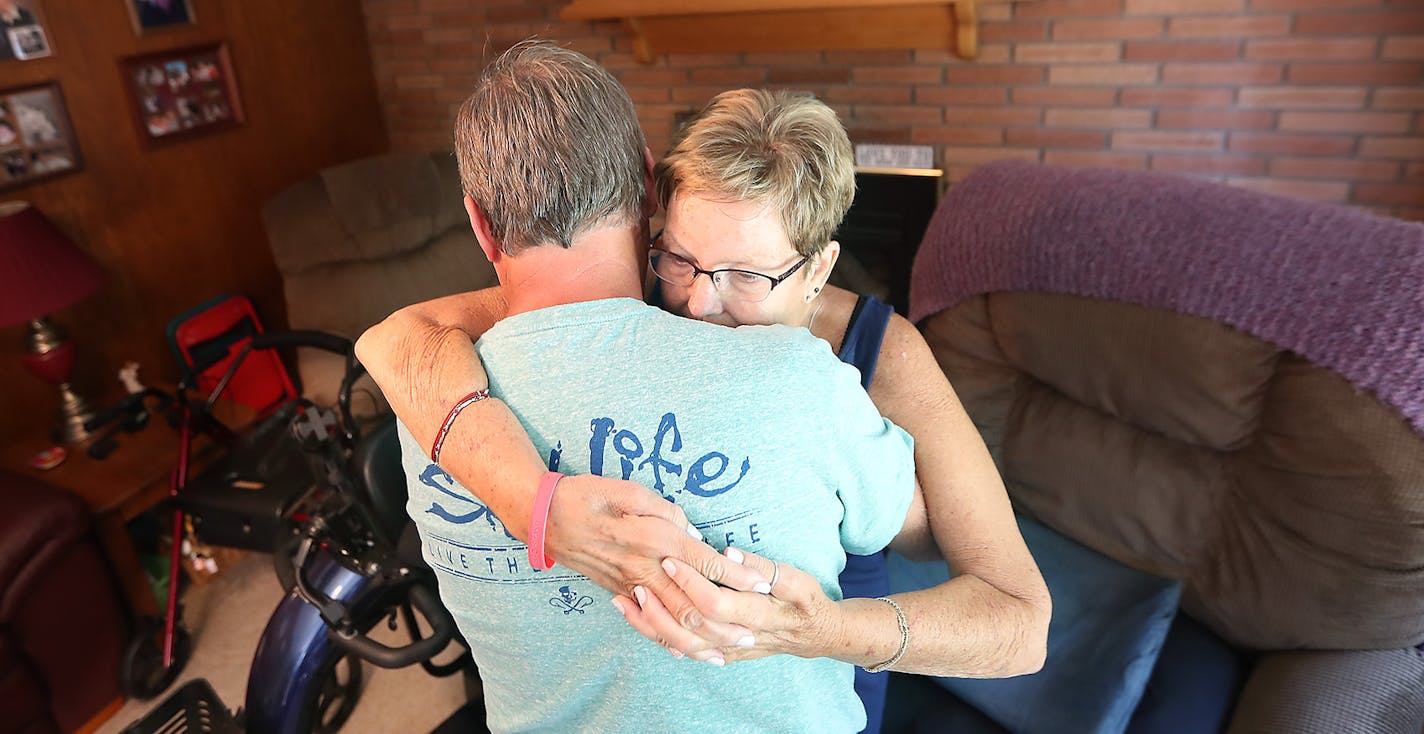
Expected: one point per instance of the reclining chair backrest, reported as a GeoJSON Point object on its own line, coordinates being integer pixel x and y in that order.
{"type": "Point", "coordinates": [1289, 502]}
{"type": "Point", "coordinates": [363, 239]}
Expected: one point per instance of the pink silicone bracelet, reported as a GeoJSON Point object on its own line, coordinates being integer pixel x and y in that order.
{"type": "Point", "coordinates": [539, 519]}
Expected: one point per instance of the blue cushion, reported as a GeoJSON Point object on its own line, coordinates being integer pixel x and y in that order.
{"type": "Point", "coordinates": [1109, 623]}
{"type": "Point", "coordinates": [917, 706]}
{"type": "Point", "coordinates": [1193, 689]}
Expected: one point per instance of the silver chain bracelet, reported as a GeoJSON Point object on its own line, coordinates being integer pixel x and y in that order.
{"type": "Point", "coordinates": [904, 636]}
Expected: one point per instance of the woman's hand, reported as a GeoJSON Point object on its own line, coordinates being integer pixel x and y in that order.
{"type": "Point", "coordinates": [796, 618]}
{"type": "Point", "coordinates": [617, 532]}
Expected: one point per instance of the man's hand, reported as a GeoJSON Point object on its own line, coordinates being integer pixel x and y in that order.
{"type": "Point", "coordinates": [617, 533]}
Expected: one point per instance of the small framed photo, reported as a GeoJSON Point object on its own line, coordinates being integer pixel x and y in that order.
{"type": "Point", "coordinates": [22, 31]}
{"type": "Point", "coordinates": [156, 15]}
{"type": "Point", "coordinates": [36, 139]}
{"type": "Point", "coordinates": [182, 93]}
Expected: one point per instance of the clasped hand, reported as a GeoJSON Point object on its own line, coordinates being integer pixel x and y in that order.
{"type": "Point", "coordinates": [671, 586]}
{"type": "Point", "coordinates": [737, 624]}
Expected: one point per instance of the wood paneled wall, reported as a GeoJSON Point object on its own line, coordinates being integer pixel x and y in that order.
{"type": "Point", "coordinates": [178, 224]}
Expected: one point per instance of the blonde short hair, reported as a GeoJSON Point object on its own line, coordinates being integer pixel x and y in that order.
{"type": "Point", "coordinates": [549, 147]}
{"type": "Point", "coordinates": [786, 150]}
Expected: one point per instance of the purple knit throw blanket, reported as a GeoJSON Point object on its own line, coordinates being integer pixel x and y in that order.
{"type": "Point", "coordinates": [1342, 287]}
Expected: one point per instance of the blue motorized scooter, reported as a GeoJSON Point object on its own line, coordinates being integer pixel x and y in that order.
{"type": "Point", "coordinates": [350, 561]}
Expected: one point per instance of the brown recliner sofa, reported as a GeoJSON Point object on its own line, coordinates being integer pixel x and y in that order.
{"type": "Point", "coordinates": [62, 629]}
{"type": "Point", "coordinates": [1215, 386]}
{"type": "Point", "coordinates": [365, 238]}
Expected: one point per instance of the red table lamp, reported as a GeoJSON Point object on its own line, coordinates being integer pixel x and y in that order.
{"type": "Point", "coordinates": [42, 271]}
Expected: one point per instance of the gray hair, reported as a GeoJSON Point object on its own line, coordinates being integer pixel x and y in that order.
{"type": "Point", "coordinates": [549, 147]}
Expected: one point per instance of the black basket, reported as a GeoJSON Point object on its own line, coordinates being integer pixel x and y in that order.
{"type": "Point", "coordinates": [191, 709]}
{"type": "Point", "coordinates": [239, 500]}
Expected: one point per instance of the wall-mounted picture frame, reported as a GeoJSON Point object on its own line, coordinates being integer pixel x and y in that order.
{"type": "Point", "coordinates": [182, 93]}
{"type": "Point", "coordinates": [22, 31]}
{"type": "Point", "coordinates": [36, 138]}
{"type": "Point", "coordinates": [148, 16]}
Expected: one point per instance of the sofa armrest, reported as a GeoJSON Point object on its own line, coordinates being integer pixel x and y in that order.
{"type": "Point", "coordinates": [62, 628]}
{"type": "Point", "coordinates": [39, 523]}
{"type": "Point", "coordinates": [1333, 691]}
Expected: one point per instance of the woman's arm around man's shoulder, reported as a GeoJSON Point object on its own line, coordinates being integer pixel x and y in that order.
{"type": "Point", "coordinates": [989, 620]}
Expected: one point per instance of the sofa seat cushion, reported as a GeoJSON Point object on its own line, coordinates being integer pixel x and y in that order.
{"type": "Point", "coordinates": [1310, 692]}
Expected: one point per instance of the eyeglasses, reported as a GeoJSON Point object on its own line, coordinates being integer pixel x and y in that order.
{"type": "Point", "coordinates": [731, 283]}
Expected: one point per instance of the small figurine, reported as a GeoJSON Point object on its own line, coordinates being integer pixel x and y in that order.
{"type": "Point", "coordinates": [128, 375]}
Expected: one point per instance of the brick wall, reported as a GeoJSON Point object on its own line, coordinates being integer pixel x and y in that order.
{"type": "Point", "coordinates": [1320, 99]}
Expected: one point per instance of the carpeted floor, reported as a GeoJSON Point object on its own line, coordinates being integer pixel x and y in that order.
{"type": "Point", "coordinates": [226, 618]}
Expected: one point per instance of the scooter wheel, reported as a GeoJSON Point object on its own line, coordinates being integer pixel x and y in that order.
{"type": "Point", "coordinates": [338, 695]}
{"type": "Point", "coordinates": [142, 672]}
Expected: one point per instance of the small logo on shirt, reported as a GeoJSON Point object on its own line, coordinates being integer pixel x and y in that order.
{"type": "Point", "coordinates": [568, 601]}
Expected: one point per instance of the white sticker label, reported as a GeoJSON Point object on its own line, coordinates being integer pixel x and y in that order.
{"type": "Point", "coordinates": [869, 155]}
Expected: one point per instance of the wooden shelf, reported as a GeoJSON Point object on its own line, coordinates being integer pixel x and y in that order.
{"type": "Point", "coordinates": [702, 26]}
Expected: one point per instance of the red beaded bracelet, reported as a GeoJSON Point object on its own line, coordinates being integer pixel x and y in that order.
{"type": "Point", "coordinates": [460, 405]}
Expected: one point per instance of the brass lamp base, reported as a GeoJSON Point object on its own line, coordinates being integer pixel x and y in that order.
{"type": "Point", "coordinates": [73, 413]}
{"type": "Point", "coordinates": [51, 358]}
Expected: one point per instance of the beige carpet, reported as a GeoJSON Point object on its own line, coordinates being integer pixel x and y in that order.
{"type": "Point", "coordinates": [226, 618]}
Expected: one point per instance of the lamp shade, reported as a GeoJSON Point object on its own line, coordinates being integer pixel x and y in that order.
{"type": "Point", "coordinates": [41, 270]}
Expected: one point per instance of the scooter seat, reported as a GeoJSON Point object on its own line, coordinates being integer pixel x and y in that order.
{"type": "Point", "coordinates": [408, 549]}
{"type": "Point", "coordinates": [377, 461]}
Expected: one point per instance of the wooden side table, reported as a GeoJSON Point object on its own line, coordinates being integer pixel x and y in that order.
{"type": "Point", "coordinates": [130, 482]}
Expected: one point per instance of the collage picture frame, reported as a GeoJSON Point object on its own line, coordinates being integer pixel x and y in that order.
{"type": "Point", "coordinates": [182, 93]}
{"type": "Point", "coordinates": [36, 137]}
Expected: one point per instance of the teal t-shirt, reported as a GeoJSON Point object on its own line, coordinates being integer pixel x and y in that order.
{"type": "Point", "coordinates": [760, 434]}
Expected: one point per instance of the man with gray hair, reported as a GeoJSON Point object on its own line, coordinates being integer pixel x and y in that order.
{"type": "Point", "coordinates": [790, 455]}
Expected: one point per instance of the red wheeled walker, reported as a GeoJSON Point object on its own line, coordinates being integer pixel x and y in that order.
{"type": "Point", "coordinates": [212, 343]}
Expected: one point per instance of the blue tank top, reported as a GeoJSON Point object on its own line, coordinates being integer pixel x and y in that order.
{"type": "Point", "coordinates": [865, 576]}
{"type": "Point", "coordinates": [864, 332]}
